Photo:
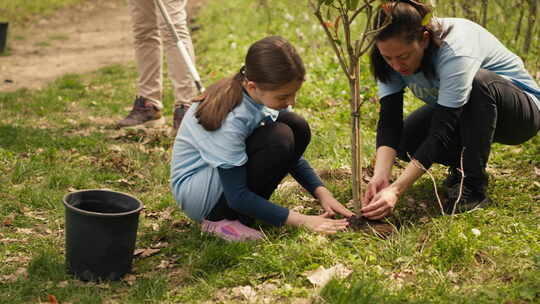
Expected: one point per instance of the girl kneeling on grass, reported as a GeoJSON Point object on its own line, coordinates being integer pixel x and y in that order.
{"type": "Point", "coordinates": [238, 141]}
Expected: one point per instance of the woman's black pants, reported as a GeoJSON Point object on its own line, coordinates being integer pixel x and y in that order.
{"type": "Point", "coordinates": [497, 111]}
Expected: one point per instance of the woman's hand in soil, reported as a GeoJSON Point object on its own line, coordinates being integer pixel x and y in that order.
{"type": "Point", "coordinates": [376, 184]}
{"type": "Point", "coordinates": [329, 204]}
{"type": "Point", "coordinates": [382, 204]}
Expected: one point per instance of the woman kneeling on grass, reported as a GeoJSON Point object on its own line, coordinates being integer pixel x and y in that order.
{"type": "Point", "coordinates": [238, 141]}
{"type": "Point", "coordinates": [476, 91]}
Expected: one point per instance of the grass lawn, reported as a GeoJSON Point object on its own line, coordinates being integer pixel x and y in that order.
{"type": "Point", "coordinates": [19, 11]}
{"type": "Point", "coordinates": [61, 138]}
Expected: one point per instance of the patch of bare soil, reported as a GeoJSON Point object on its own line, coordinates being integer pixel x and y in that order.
{"type": "Point", "coordinates": [379, 228]}
{"type": "Point", "coordinates": [80, 39]}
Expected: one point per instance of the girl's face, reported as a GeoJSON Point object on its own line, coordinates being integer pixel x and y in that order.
{"type": "Point", "coordinates": [277, 99]}
{"type": "Point", "coordinates": [404, 58]}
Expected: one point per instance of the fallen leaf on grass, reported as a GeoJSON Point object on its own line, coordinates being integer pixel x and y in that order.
{"type": "Point", "coordinates": [164, 264]}
{"type": "Point", "coordinates": [8, 220]}
{"type": "Point", "coordinates": [246, 292]}
{"type": "Point", "coordinates": [62, 284]}
{"type": "Point", "coordinates": [10, 240]}
{"type": "Point", "coordinates": [321, 275]}
{"type": "Point", "coordinates": [160, 245]}
{"type": "Point", "coordinates": [18, 259]}
{"type": "Point", "coordinates": [130, 279]}
{"type": "Point", "coordinates": [146, 252]}
{"type": "Point", "coordinates": [20, 272]}
{"type": "Point", "coordinates": [25, 230]}
{"type": "Point", "coordinates": [537, 171]}
{"type": "Point", "coordinates": [52, 299]}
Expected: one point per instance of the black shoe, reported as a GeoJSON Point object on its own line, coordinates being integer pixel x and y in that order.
{"type": "Point", "coordinates": [454, 177]}
{"type": "Point", "coordinates": [470, 199]}
{"type": "Point", "coordinates": [179, 113]}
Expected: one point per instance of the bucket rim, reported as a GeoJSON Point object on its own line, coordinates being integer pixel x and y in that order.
{"type": "Point", "coordinates": [98, 214]}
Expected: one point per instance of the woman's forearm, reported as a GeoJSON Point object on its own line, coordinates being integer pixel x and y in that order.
{"type": "Point", "coordinates": [384, 161]}
{"type": "Point", "coordinates": [411, 173]}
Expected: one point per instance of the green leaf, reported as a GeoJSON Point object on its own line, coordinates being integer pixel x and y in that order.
{"type": "Point", "coordinates": [353, 4]}
{"type": "Point", "coordinates": [426, 19]}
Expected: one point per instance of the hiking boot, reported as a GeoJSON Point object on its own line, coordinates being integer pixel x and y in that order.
{"type": "Point", "coordinates": [470, 199]}
{"type": "Point", "coordinates": [179, 113]}
{"type": "Point", "coordinates": [453, 178]}
{"type": "Point", "coordinates": [143, 114]}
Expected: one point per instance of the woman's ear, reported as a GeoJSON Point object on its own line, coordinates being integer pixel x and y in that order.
{"type": "Point", "coordinates": [425, 39]}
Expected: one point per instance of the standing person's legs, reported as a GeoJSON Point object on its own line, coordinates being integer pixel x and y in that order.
{"type": "Point", "coordinates": [148, 49]}
{"type": "Point", "coordinates": [178, 71]}
{"type": "Point", "coordinates": [272, 151]}
{"type": "Point", "coordinates": [147, 42]}
{"type": "Point", "coordinates": [181, 79]}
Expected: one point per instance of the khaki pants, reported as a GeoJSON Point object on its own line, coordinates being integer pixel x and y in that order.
{"type": "Point", "coordinates": [149, 29]}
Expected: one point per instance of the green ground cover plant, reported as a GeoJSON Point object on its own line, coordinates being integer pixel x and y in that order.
{"type": "Point", "coordinates": [19, 11]}
{"type": "Point", "coordinates": [61, 138]}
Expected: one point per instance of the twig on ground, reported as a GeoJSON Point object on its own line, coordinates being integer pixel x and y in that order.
{"type": "Point", "coordinates": [461, 180]}
{"type": "Point", "coordinates": [420, 166]}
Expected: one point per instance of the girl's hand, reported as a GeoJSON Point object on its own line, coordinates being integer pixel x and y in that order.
{"type": "Point", "coordinates": [323, 224]}
{"type": "Point", "coordinates": [376, 184]}
{"type": "Point", "coordinates": [331, 206]}
{"type": "Point", "coordinates": [381, 205]}
{"type": "Point", "coordinates": [318, 223]}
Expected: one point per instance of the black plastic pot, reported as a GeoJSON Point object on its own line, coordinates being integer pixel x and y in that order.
{"type": "Point", "coordinates": [101, 230]}
{"type": "Point", "coordinates": [3, 35]}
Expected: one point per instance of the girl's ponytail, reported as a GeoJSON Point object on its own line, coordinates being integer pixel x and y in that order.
{"type": "Point", "coordinates": [218, 100]}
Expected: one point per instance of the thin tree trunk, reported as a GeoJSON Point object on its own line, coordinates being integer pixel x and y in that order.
{"type": "Point", "coordinates": [533, 5]}
{"type": "Point", "coordinates": [484, 12]}
{"type": "Point", "coordinates": [520, 21]}
{"type": "Point", "coordinates": [468, 11]}
{"type": "Point", "coordinates": [454, 8]}
{"type": "Point", "coordinates": [356, 141]}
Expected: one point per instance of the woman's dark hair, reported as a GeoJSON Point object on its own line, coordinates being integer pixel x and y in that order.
{"type": "Point", "coordinates": [404, 19]}
{"type": "Point", "coordinates": [270, 62]}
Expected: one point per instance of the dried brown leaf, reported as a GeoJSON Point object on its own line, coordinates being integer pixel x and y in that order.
{"type": "Point", "coordinates": [130, 279]}
{"type": "Point", "coordinates": [62, 284]}
{"type": "Point", "coordinates": [146, 252]}
{"type": "Point", "coordinates": [25, 230]}
{"type": "Point", "coordinates": [321, 275]}
{"type": "Point", "coordinates": [52, 299]}
{"type": "Point", "coordinates": [246, 292]}
{"type": "Point", "coordinates": [8, 220]}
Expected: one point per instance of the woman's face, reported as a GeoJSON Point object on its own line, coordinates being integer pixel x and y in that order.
{"type": "Point", "coordinates": [405, 58]}
{"type": "Point", "coordinates": [277, 99]}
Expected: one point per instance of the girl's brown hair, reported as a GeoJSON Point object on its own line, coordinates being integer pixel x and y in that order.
{"type": "Point", "coordinates": [270, 62]}
{"type": "Point", "coordinates": [405, 20]}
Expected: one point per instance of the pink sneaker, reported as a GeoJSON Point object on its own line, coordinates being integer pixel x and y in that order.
{"type": "Point", "coordinates": [233, 231]}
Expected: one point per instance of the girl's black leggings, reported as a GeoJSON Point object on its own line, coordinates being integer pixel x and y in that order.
{"type": "Point", "coordinates": [269, 159]}
{"type": "Point", "coordinates": [497, 111]}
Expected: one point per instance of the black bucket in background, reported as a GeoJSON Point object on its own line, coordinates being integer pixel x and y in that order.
{"type": "Point", "coordinates": [101, 231]}
{"type": "Point", "coordinates": [3, 35]}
